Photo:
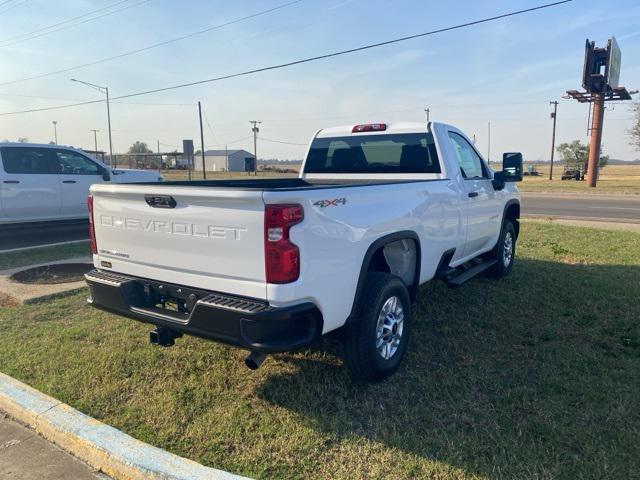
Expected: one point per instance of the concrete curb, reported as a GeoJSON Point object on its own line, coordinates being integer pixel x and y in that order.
{"type": "Point", "coordinates": [101, 446]}
{"type": "Point", "coordinates": [25, 293]}
{"type": "Point", "coordinates": [34, 247]}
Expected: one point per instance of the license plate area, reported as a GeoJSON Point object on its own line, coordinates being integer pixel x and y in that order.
{"type": "Point", "coordinates": [173, 300]}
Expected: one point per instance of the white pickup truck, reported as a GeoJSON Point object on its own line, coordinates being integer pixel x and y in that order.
{"type": "Point", "coordinates": [40, 183]}
{"type": "Point", "coordinates": [270, 265]}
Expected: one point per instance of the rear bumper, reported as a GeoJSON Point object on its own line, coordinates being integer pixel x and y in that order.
{"type": "Point", "coordinates": [243, 322]}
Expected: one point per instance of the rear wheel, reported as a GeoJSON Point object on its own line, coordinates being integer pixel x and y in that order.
{"type": "Point", "coordinates": [504, 251]}
{"type": "Point", "coordinates": [376, 342]}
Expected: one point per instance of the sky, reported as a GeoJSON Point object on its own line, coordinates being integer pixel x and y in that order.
{"type": "Point", "coordinates": [504, 72]}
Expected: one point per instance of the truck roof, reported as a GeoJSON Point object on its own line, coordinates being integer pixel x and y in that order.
{"type": "Point", "coordinates": [392, 127]}
{"type": "Point", "coordinates": [39, 145]}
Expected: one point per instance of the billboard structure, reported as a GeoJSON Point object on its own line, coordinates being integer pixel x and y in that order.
{"type": "Point", "coordinates": [187, 148]}
{"type": "Point", "coordinates": [600, 80]}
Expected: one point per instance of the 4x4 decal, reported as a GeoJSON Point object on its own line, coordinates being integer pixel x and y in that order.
{"type": "Point", "coordinates": [330, 203]}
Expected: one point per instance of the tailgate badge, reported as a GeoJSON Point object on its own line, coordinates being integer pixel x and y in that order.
{"type": "Point", "coordinates": [334, 202]}
{"type": "Point", "coordinates": [160, 201]}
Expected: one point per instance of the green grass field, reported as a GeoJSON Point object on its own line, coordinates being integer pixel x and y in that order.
{"type": "Point", "coordinates": [613, 179]}
{"type": "Point", "coordinates": [41, 255]}
{"type": "Point", "coordinates": [534, 376]}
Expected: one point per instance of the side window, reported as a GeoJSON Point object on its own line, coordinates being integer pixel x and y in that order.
{"type": "Point", "coordinates": [72, 163]}
{"type": "Point", "coordinates": [25, 160]}
{"type": "Point", "coordinates": [468, 160]}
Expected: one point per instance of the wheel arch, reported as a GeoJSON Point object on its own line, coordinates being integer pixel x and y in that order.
{"type": "Point", "coordinates": [512, 213]}
{"type": "Point", "coordinates": [372, 258]}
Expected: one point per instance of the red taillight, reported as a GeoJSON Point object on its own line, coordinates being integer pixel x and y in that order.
{"type": "Point", "coordinates": [370, 127]}
{"type": "Point", "coordinates": [282, 258]}
{"type": "Point", "coordinates": [92, 231]}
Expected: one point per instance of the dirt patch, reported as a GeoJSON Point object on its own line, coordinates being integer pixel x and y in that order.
{"type": "Point", "coordinates": [52, 274]}
{"type": "Point", "coordinates": [7, 301]}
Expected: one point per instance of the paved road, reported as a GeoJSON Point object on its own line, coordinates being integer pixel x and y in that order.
{"type": "Point", "coordinates": [611, 208]}
{"type": "Point", "coordinates": [17, 236]}
{"type": "Point", "coordinates": [24, 455]}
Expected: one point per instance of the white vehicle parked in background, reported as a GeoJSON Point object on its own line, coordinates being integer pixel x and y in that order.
{"type": "Point", "coordinates": [51, 182]}
{"type": "Point", "coordinates": [270, 265]}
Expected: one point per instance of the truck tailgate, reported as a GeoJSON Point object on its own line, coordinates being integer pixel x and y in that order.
{"type": "Point", "coordinates": [212, 238]}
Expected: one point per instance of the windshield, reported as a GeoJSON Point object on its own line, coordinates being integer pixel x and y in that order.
{"type": "Point", "coordinates": [388, 153]}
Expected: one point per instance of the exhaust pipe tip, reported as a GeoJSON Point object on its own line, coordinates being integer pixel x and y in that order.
{"type": "Point", "coordinates": [254, 360]}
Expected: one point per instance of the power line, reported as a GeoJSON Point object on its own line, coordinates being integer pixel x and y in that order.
{"type": "Point", "coordinates": [233, 141]}
{"type": "Point", "coordinates": [155, 45]}
{"type": "Point", "coordinates": [11, 7]}
{"type": "Point", "coordinates": [126, 7]}
{"type": "Point", "coordinates": [344, 52]}
{"type": "Point", "coordinates": [308, 59]}
{"type": "Point", "coordinates": [61, 23]}
{"type": "Point", "coordinates": [3, 94]}
{"type": "Point", "coordinates": [281, 141]}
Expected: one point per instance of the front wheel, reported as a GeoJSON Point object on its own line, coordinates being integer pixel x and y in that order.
{"type": "Point", "coordinates": [376, 342]}
{"type": "Point", "coordinates": [504, 252]}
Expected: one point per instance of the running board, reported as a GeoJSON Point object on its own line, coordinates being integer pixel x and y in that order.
{"type": "Point", "coordinates": [457, 276]}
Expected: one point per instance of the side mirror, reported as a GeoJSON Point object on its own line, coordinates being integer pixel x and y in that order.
{"type": "Point", "coordinates": [106, 175]}
{"type": "Point", "coordinates": [498, 181]}
{"type": "Point", "coordinates": [512, 167]}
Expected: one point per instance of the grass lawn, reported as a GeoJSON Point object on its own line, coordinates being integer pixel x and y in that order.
{"type": "Point", "coordinates": [532, 376]}
{"type": "Point", "coordinates": [44, 254]}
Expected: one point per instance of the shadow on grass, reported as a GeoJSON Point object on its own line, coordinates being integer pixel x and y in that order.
{"type": "Point", "coordinates": [532, 376]}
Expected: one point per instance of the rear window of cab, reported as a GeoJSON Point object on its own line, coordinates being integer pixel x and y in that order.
{"type": "Point", "coordinates": [388, 153]}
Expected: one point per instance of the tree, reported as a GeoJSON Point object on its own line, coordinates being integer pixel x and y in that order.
{"type": "Point", "coordinates": [576, 154]}
{"type": "Point", "coordinates": [23, 140]}
{"type": "Point", "coordinates": [635, 129]}
{"type": "Point", "coordinates": [139, 147]}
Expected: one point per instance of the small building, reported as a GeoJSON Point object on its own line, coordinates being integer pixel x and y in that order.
{"type": "Point", "coordinates": [226, 160]}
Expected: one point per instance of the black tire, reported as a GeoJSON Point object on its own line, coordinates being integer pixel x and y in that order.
{"type": "Point", "coordinates": [360, 351]}
{"type": "Point", "coordinates": [502, 268]}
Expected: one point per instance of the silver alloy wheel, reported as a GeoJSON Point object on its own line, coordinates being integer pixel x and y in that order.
{"type": "Point", "coordinates": [507, 249]}
{"type": "Point", "coordinates": [389, 328]}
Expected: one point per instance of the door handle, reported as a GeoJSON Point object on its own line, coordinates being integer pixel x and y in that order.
{"type": "Point", "coordinates": [68, 181]}
{"type": "Point", "coordinates": [11, 181]}
{"type": "Point", "coordinates": [473, 194]}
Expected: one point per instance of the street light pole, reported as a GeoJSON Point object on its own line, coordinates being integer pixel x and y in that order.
{"type": "Point", "coordinates": [55, 131]}
{"type": "Point", "coordinates": [104, 90]}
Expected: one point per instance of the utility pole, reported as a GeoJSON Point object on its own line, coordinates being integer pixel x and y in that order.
{"type": "Point", "coordinates": [474, 138]}
{"type": "Point", "coordinates": [55, 131]}
{"type": "Point", "coordinates": [226, 157]}
{"type": "Point", "coordinates": [553, 136]}
{"type": "Point", "coordinates": [427, 111]}
{"type": "Point", "coordinates": [95, 140]}
{"type": "Point", "coordinates": [159, 159]}
{"type": "Point", "coordinates": [489, 142]}
{"type": "Point", "coordinates": [255, 131]}
{"type": "Point", "coordinates": [204, 170]}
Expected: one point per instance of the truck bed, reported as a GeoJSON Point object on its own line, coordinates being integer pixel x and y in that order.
{"type": "Point", "coordinates": [275, 183]}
